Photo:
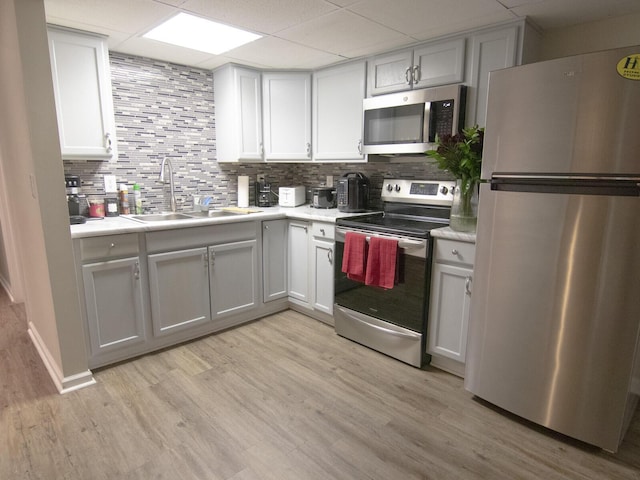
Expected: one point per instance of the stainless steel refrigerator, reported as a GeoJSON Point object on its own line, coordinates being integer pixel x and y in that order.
{"type": "Point", "coordinates": [555, 310]}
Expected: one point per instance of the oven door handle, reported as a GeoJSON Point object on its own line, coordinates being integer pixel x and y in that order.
{"type": "Point", "coordinates": [402, 242]}
{"type": "Point", "coordinates": [383, 329]}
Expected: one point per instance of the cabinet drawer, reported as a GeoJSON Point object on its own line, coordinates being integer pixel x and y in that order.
{"type": "Point", "coordinates": [453, 251]}
{"type": "Point", "coordinates": [323, 230]}
{"type": "Point", "coordinates": [109, 246]}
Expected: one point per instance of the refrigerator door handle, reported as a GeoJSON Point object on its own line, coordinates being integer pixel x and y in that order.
{"type": "Point", "coordinates": [579, 184]}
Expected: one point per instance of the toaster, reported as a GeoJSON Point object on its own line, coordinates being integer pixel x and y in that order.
{"type": "Point", "coordinates": [291, 196]}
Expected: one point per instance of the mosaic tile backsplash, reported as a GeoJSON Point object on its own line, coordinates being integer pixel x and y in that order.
{"type": "Point", "coordinates": [167, 110]}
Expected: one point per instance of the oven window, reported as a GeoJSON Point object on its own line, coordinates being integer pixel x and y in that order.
{"type": "Point", "coordinates": [403, 305]}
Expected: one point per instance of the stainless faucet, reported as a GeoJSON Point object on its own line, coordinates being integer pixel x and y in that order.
{"type": "Point", "coordinates": [167, 160]}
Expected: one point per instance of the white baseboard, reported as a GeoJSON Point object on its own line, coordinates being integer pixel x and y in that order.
{"type": "Point", "coordinates": [63, 384]}
{"type": "Point", "coordinates": [7, 288]}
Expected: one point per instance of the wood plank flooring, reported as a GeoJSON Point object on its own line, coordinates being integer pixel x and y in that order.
{"type": "Point", "coordinates": [281, 398]}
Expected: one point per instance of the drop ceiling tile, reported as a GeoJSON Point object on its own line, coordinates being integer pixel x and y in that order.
{"type": "Point", "coordinates": [214, 62]}
{"type": "Point", "coordinates": [175, 3]}
{"type": "Point", "coordinates": [344, 3]}
{"type": "Point", "coordinates": [517, 3]}
{"type": "Point", "coordinates": [116, 15]}
{"type": "Point", "coordinates": [550, 14]}
{"type": "Point", "coordinates": [342, 31]}
{"type": "Point", "coordinates": [463, 25]}
{"type": "Point", "coordinates": [261, 16]}
{"type": "Point", "coordinates": [273, 52]}
{"type": "Point", "coordinates": [417, 16]}
{"type": "Point", "coordinates": [144, 47]}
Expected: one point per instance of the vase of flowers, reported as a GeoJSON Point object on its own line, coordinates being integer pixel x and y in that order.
{"type": "Point", "coordinates": [461, 155]}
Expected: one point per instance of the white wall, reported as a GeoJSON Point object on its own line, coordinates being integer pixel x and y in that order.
{"type": "Point", "coordinates": [34, 185]}
{"type": "Point", "coordinates": [590, 37]}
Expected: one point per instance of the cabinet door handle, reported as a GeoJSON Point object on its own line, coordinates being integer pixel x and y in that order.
{"type": "Point", "coordinates": [308, 149]}
{"type": "Point", "coordinates": [330, 256]}
{"type": "Point", "coordinates": [206, 258]}
{"type": "Point", "coordinates": [360, 147]}
{"type": "Point", "coordinates": [108, 139]}
{"type": "Point", "coordinates": [415, 74]}
{"type": "Point", "coordinates": [407, 74]}
{"type": "Point", "coordinates": [261, 148]}
{"type": "Point", "coordinates": [266, 227]}
{"type": "Point", "coordinates": [467, 285]}
{"type": "Point", "coordinates": [454, 252]}
{"type": "Point", "coordinates": [136, 271]}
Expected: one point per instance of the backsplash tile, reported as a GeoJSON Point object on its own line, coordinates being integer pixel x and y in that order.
{"type": "Point", "coordinates": [167, 110]}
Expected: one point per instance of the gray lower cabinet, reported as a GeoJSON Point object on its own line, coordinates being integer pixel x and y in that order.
{"type": "Point", "coordinates": [191, 287]}
{"type": "Point", "coordinates": [322, 251]}
{"type": "Point", "coordinates": [451, 286]}
{"type": "Point", "coordinates": [274, 259]}
{"type": "Point", "coordinates": [179, 288]}
{"type": "Point", "coordinates": [114, 301]}
{"type": "Point", "coordinates": [233, 278]}
{"type": "Point", "coordinates": [298, 268]}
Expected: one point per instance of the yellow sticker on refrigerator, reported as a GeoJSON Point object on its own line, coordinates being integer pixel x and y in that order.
{"type": "Point", "coordinates": [629, 67]}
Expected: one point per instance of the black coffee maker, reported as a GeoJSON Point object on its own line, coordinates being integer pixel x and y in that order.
{"type": "Point", "coordinates": [76, 201]}
{"type": "Point", "coordinates": [353, 192]}
{"type": "Point", "coordinates": [264, 196]}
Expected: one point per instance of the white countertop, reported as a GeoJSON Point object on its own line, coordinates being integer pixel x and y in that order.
{"type": "Point", "coordinates": [447, 232]}
{"type": "Point", "coordinates": [124, 224]}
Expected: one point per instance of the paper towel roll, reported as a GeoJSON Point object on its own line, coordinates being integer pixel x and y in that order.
{"type": "Point", "coordinates": [243, 191]}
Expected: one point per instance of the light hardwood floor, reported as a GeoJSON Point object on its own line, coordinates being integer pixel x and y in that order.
{"type": "Point", "coordinates": [281, 398]}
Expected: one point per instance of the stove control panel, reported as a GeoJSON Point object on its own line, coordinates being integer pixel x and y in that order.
{"type": "Point", "coordinates": [428, 192]}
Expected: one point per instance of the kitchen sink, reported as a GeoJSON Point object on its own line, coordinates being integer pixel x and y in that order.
{"type": "Point", "coordinates": [164, 217]}
{"type": "Point", "coordinates": [161, 217]}
{"type": "Point", "coordinates": [211, 214]}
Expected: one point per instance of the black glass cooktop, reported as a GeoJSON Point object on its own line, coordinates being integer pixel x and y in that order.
{"type": "Point", "coordinates": [391, 224]}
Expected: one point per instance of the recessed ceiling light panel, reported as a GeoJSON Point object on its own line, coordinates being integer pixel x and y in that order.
{"type": "Point", "coordinates": [200, 34]}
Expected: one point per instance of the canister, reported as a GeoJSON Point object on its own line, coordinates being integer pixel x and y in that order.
{"type": "Point", "coordinates": [111, 206]}
{"type": "Point", "coordinates": [96, 208]}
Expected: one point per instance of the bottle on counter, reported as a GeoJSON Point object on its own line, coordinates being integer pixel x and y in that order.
{"type": "Point", "coordinates": [137, 199]}
{"type": "Point", "coordinates": [124, 199]}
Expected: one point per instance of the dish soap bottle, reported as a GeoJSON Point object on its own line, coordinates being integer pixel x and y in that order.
{"type": "Point", "coordinates": [137, 199]}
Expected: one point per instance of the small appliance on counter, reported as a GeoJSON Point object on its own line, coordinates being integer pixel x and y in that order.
{"type": "Point", "coordinates": [353, 192]}
{"type": "Point", "coordinates": [323, 197]}
{"type": "Point", "coordinates": [76, 201]}
{"type": "Point", "coordinates": [291, 196]}
{"type": "Point", "coordinates": [264, 195]}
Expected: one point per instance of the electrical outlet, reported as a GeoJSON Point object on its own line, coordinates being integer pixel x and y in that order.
{"type": "Point", "coordinates": [260, 177]}
{"type": "Point", "coordinates": [110, 185]}
{"type": "Point", "coordinates": [329, 181]}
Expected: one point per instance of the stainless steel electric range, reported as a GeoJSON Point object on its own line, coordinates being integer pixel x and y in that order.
{"type": "Point", "coordinates": [392, 320]}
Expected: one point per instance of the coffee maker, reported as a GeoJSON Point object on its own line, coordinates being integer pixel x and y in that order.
{"type": "Point", "coordinates": [76, 201]}
{"type": "Point", "coordinates": [264, 196]}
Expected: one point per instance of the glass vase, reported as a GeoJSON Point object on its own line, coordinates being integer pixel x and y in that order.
{"type": "Point", "coordinates": [464, 210]}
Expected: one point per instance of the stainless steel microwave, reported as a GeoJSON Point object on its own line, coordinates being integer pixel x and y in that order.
{"type": "Point", "coordinates": [408, 122]}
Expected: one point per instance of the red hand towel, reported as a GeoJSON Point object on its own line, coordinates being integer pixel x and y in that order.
{"type": "Point", "coordinates": [381, 262]}
{"type": "Point", "coordinates": [354, 256]}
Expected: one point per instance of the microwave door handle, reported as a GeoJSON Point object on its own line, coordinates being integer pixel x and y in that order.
{"type": "Point", "coordinates": [427, 121]}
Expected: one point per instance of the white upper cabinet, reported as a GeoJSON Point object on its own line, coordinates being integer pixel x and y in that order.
{"type": "Point", "coordinates": [390, 72]}
{"type": "Point", "coordinates": [490, 50]}
{"type": "Point", "coordinates": [82, 90]}
{"type": "Point", "coordinates": [238, 104]}
{"type": "Point", "coordinates": [287, 116]}
{"type": "Point", "coordinates": [425, 66]}
{"type": "Point", "coordinates": [438, 64]}
{"type": "Point", "coordinates": [337, 112]}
